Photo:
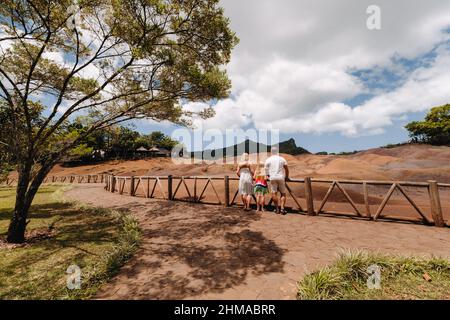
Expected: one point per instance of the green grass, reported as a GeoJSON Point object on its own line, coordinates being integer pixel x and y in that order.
{"type": "Point", "coordinates": [401, 278]}
{"type": "Point", "coordinates": [99, 241]}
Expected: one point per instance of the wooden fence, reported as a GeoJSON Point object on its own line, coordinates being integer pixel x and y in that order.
{"type": "Point", "coordinates": [86, 178]}
{"type": "Point", "coordinates": [223, 191]}
{"type": "Point", "coordinates": [304, 195]}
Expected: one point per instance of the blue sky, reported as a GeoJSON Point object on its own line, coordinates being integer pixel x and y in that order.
{"type": "Point", "coordinates": [313, 70]}
{"type": "Point", "coordinates": [330, 142]}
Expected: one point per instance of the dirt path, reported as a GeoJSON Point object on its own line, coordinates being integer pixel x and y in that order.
{"type": "Point", "coordinates": [195, 251]}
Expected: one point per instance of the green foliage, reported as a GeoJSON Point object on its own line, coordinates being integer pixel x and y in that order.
{"type": "Point", "coordinates": [82, 150]}
{"type": "Point", "coordinates": [347, 153]}
{"type": "Point", "coordinates": [126, 246]}
{"type": "Point", "coordinates": [401, 278]}
{"type": "Point", "coordinates": [123, 139]}
{"type": "Point", "coordinates": [121, 60]}
{"type": "Point", "coordinates": [115, 141]}
{"type": "Point", "coordinates": [435, 129]}
{"type": "Point", "coordinates": [7, 160]}
{"type": "Point", "coordinates": [395, 145]}
{"type": "Point", "coordinates": [155, 139]}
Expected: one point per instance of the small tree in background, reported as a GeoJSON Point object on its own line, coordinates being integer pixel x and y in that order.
{"type": "Point", "coordinates": [7, 159]}
{"type": "Point", "coordinates": [108, 60]}
{"type": "Point", "coordinates": [435, 129]}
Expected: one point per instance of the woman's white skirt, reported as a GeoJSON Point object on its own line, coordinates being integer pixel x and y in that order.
{"type": "Point", "coordinates": [245, 183]}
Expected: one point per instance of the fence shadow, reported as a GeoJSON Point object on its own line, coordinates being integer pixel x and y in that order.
{"type": "Point", "coordinates": [191, 250]}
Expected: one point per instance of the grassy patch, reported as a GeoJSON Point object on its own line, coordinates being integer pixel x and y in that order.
{"type": "Point", "coordinates": [99, 241]}
{"type": "Point", "coordinates": [401, 278]}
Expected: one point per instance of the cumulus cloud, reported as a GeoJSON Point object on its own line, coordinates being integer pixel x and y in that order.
{"type": "Point", "coordinates": [294, 68]}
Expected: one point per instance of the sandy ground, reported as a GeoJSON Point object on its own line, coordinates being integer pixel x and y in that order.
{"type": "Point", "coordinates": [197, 251]}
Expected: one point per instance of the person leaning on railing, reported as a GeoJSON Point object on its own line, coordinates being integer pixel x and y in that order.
{"type": "Point", "coordinates": [277, 172]}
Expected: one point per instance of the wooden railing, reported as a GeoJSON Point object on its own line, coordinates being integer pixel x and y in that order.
{"type": "Point", "coordinates": [223, 191]}
{"type": "Point", "coordinates": [86, 178]}
{"type": "Point", "coordinates": [304, 195]}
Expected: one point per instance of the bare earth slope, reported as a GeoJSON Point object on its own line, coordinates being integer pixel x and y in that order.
{"type": "Point", "coordinates": [410, 163]}
{"type": "Point", "coordinates": [404, 163]}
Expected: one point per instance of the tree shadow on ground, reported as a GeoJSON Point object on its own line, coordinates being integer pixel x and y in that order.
{"type": "Point", "coordinates": [41, 211]}
{"type": "Point", "coordinates": [194, 249]}
{"type": "Point", "coordinates": [214, 269]}
{"type": "Point", "coordinates": [71, 227]}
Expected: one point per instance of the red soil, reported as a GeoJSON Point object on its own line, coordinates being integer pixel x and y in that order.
{"type": "Point", "coordinates": [406, 163]}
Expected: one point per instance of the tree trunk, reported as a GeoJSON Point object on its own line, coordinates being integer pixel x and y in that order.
{"type": "Point", "coordinates": [18, 224]}
{"type": "Point", "coordinates": [25, 193]}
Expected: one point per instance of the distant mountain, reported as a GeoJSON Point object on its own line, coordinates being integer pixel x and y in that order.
{"type": "Point", "coordinates": [250, 146]}
{"type": "Point", "coordinates": [290, 147]}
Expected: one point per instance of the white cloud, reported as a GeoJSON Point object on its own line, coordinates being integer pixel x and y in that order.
{"type": "Point", "coordinates": [56, 56]}
{"type": "Point", "coordinates": [91, 71]}
{"type": "Point", "coordinates": [291, 70]}
{"type": "Point", "coordinates": [426, 87]}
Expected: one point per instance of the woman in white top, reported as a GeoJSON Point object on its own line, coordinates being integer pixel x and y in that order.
{"type": "Point", "coordinates": [245, 174]}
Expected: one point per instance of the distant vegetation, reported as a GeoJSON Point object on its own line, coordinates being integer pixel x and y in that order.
{"type": "Point", "coordinates": [343, 153]}
{"type": "Point", "coordinates": [395, 145]}
{"type": "Point", "coordinates": [435, 129]}
{"type": "Point", "coordinates": [347, 153]}
{"type": "Point", "coordinates": [115, 142]}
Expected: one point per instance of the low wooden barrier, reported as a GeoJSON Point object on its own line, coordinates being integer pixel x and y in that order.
{"type": "Point", "coordinates": [195, 187]}
{"type": "Point", "coordinates": [303, 201]}
{"type": "Point", "coordinates": [86, 178]}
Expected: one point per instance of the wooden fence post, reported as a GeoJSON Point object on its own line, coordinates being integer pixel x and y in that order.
{"type": "Point", "coordinates": [309, 197]}
{"type": "Point", "coordinates": [147, 190]}
{"type": "Point", "coordinates": [113, 183]}
{"type": "Point", "coordinates": [169, 187]}
{"type": "Point", "coordinates": [195, 189]}
{"type": "Point", "coordinates": [227, 191]}
{"type": "Point", "coordinates": [132, 186]}
{"type": "Point", "coordinates": [366, 200]}
{"type": "Point", "coordinates": [435, 202]}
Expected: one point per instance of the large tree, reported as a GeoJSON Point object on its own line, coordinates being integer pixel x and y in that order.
{"type": "Point", "coordinates": [108, 60]}
{"type": "Point", "coordinates": [435, 129]}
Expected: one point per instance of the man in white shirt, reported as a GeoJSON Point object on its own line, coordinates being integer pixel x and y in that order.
{"type": "Point", "coordinates": [277, 173]}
